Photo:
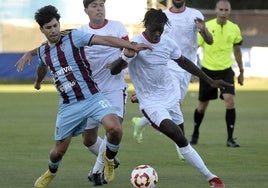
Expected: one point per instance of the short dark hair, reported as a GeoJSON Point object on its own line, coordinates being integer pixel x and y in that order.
{"type": "Point", "coordinates": [46, 14]}
{"type": "Point", "coordinates": [153, 16]}
{"type": "Point", "coordinates": [87, 2]}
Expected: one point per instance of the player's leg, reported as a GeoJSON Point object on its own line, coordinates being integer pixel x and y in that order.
{"type": "Point", "coordinates": [206, 93]}
{"type": "Point", "coordinates": [139, 125]}
{"type": "Point", "coordinates": [228, 95]}
{"type": "Point", "coordinates": [91, 139]}
{"type": "Point", "coordinates": [113, 129]}
{"type": "Point", "coordinates": [170, 129]}
{"type": "Point", "coordinates": [117, 100]}
{"type": "Point", "coordinates": [199, 114]}
{"type": "Point", "coordinates": [95, 175]}
{"type": "Point", "coordinates": [177, 148]}
{"type": "Point", "coordinates": [93, 142]}
{"type": "Point", "coordinates": [177, 118]}
{"type": "Point", "coordinates": [230, 117]}
{"type": "Point", "coordinates": [183, 78]}
{"type": "Point", "coordinates": [55, 157]}
{"type": "Point", "coordinates": [70, 122]}
{"type": "Point", "coordinates": [163, 123]}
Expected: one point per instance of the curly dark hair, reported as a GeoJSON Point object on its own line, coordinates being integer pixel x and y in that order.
{"type": "Point", "coordinates": [153, 16]}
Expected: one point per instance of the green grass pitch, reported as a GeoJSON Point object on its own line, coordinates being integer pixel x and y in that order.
{"type": "Point", "coordinates": [27, 119]}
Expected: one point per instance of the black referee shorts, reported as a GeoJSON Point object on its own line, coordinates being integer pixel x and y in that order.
{"type": "Point", "coordinates": [206, 92]}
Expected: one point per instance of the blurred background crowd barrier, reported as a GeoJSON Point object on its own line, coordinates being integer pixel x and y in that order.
{"type": "Point", "coordinates": [19, 32]}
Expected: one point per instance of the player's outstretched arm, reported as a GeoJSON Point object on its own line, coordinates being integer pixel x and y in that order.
{"type": "Point", "coordinates": [117, 66]}
{"type": "Point", "coordinates": [40, 75]}
{"type": "Point", "coordinates": [26, 58]}
{"type": "Point", "coordinates": [189, 66]}
{"type": "Point", "coordinates": [220, 84]}
{"type": "Point", "coordinates": [118, 43]}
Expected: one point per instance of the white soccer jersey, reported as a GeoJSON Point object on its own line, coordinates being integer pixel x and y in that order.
{"type": "Point", "coordinates": [100, 55]}
{"type": "Point", "coordinates": [183, 31]}
{"type": "Point", "coordinates": [150, 75]}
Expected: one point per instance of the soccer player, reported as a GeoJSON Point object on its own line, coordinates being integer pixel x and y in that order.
{"type": "Point", "coordinates": [185, 23]}
{"type": "Point", "coordinates": [80, 97]}
{"type": "Point", "coordinates": [113, 87]}
{"type": "Point", "coordinates": [154, 85]}
{"type": "Point", "coordinates": [217, 63]}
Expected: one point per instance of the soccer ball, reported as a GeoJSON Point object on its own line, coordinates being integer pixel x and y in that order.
{"type": "Point", "coordinates": [144, 176]}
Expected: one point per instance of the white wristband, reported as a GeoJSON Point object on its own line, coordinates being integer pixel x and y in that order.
{"type": "Point", "coordinates": [127, 59]}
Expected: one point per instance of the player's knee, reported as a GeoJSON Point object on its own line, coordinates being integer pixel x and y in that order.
{"type": "Point", "coordinates": [115, 130]}
{"type": "Point", "coordinates": [112, 124]}
{"type": "Point", "coordinates": [230, 104]}
{"type": "Point", "coordinates": [89, 141]}
{"type": "Point", "coordinates": [89, 138]}
{"type": "Point", "coordinates": [114, 134]}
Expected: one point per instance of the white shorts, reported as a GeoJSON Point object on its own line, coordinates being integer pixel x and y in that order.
{"type": "Point", "coordinates": [158, 113]}
{"type": "Point", "coordinates": [118, 101]}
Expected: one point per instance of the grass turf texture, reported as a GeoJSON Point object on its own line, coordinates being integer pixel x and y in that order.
{"type": "Point", "coordinates": [27, 132]}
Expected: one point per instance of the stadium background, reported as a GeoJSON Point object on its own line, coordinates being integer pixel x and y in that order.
{"type": "Point", "coordinates": [19, 32]}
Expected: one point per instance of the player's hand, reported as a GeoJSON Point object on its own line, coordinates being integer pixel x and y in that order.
{"type": "Point", "coordinates": [37, 85]}
{"type": "Point", "coordinates": [240, 79]}
{"type": "Point", "coordinates": [141, 46]}
{"type": "Point", "coordinates": [200, 24]}
{"type": "Point", "coordinates": [134, 98]}
{"type": "Point", "coordinates": [108, 65]}
{"type": "Point", "coordinates": [129, 53]}
{"type": "Point", "coordinates": [26, 58]}
{"type": "Point", "coordinates": [220, 84]}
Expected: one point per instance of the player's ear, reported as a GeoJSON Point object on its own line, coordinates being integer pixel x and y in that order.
{"type": "Point", "coordinates": [85, 10]}
{"type": "Point", "coordinates": [41, 29]}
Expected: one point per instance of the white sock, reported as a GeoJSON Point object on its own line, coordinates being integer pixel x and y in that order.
{"type": "Point", "coordinates": [99, 165]}
{"type": "Point", "coordinates": [95, 147]}
{"type": "Point", "coordinates": [195, 160]}
{"type": "Point", "coordinates": [143, 122]}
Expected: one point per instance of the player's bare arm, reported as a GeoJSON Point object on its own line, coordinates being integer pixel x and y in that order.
{"type": "Point", "coordinates": [118, 43]}
{"type": "Point", "coordinates": [118, 65]}
{"type": "Point", "coordinates": [204, 32]}
{"type": "Point", "coordinates": [193, 69]}
{"type": "Point", "coordinates": [238, 58]}
{"type": "Point", "coordinates": [26, 58]}
{"type": "Point", "coordinates": [41, 73]}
